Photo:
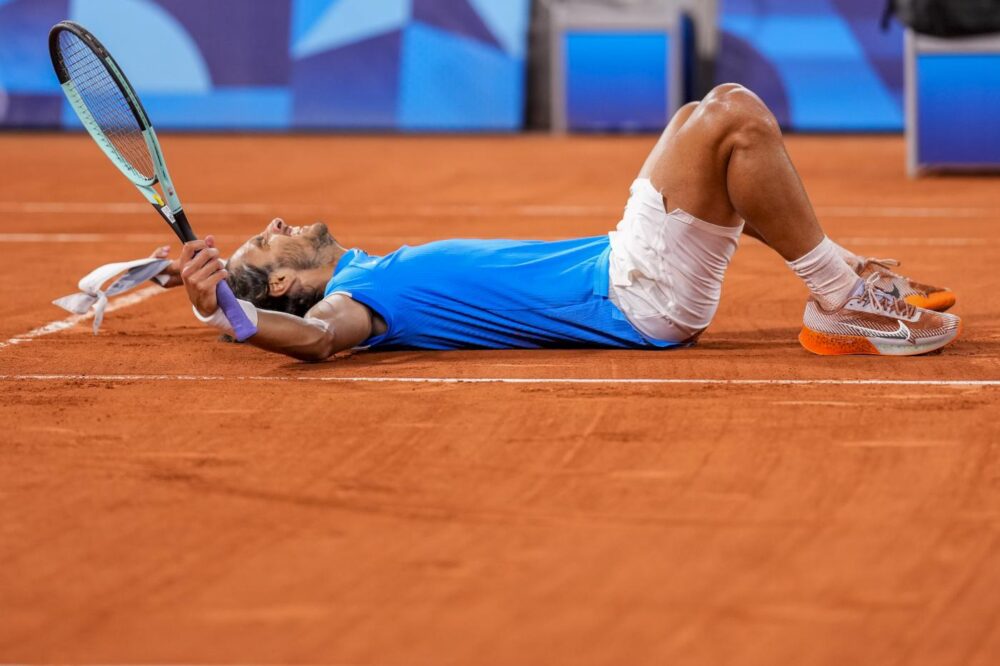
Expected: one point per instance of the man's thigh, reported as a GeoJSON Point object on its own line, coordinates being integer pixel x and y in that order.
{"type": "Point", "coordinates": [666, 268]}
{"type": "Point", "coordinates": [688, 166]}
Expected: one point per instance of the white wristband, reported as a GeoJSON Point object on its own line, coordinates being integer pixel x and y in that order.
{"type": "Point", "coordinates": [218, 318]}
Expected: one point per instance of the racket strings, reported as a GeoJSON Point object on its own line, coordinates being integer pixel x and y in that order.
{"type": "Point", "coordinates": [106, 102]}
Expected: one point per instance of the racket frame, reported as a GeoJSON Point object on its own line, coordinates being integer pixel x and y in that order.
{"type": "Point", "coordinates": [167, 204]}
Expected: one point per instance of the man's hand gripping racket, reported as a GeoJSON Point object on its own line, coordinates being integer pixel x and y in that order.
{"type": "Point", "coordinates": [202, 272]}
{"type": "Point", "coordinates": [110, 110]}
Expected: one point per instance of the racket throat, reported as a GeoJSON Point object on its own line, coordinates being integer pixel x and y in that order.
{"type": "Point", "coordinates": [182, 227]}
{"type": "Point", "coordinates": [164, 210]}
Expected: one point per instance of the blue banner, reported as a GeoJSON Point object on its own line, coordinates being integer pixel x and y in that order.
{"type": "Point", "coordinates": [284, 64]}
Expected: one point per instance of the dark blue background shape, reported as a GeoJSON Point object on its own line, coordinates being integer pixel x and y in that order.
{"type": "Point", "coordinates": [283, 64]}
{"type": "Point", "coordinates": [823, 65]}
{"type": "Point", "coordinates": [425, 64]}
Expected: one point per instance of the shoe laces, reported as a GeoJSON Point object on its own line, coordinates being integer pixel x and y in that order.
{"type": "Point", "coordinates": [872, 295]}
{"type": "Point", "coordinates": [885, 265]}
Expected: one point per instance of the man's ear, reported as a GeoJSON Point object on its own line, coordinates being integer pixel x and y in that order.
{"type": "Point", "coordinates": [280, 281]}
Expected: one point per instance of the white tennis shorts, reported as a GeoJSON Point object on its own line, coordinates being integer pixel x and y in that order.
{"type": "Point", "coordinates": [666, 269]}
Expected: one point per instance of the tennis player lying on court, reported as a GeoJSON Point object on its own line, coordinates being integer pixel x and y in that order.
{"type": "Point", "coordinates": [720, 169]}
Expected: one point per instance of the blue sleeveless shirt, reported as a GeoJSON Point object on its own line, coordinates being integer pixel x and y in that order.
{"type": "Point", "coordinates": [490, 294]}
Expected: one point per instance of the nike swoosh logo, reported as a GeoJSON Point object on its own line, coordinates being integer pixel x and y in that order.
{"type": "Point", "coordinates": [901, 333]}
{"type": "Point", "coordinates": [894, 293]}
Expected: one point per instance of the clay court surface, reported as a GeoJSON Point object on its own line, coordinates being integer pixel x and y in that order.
{"type": "Point", "coordinates": [170, 498]}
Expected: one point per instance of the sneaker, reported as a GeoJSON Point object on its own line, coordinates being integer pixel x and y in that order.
{"type": "Point", "coordinates": [914, 293]}
{"type": "Point", "coordinates": [874, 322]}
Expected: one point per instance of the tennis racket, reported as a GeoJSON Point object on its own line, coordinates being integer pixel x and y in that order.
{"type": "Point", "coordinates": [111, 112]}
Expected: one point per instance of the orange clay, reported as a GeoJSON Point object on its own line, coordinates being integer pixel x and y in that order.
{"type": "Point", "coordinates": [288, 521]}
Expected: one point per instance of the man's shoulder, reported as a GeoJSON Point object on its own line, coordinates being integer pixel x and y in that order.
{"type": "Point", "coordinates": [334, 303]}
{"type": "Point", "coordinates": [340, 308]}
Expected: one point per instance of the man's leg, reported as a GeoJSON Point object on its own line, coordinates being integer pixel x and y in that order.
{"type": "Point", "coordinates": [678, 120]}
{"type": "Point", "coordinates": [675, 124]}
{"type": "Point", "coordinates": [724, 161]}
{"type": "Point", "coordinates": [916, 293]}
{"type": "Point", "coordinates": [727, 162]}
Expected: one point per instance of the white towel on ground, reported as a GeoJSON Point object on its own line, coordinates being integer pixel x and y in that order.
{"type": "Point", "coordinates": [91, 294]}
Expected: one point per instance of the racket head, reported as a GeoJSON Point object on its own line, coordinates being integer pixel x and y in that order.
{"type": "Point", "coordinates": [106, 103]}
{"type": "Point", "coordinates": [104, 100]}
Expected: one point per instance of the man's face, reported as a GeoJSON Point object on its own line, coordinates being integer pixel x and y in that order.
{"type": "Point", "coordinates": [283, 246]}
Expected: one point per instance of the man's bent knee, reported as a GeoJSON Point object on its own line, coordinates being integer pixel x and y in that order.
{"type": "Point", "coordinates": [738, 112]}
{"type": "Point", "coordinates": [680, 118]}
{"type": "Point", "coordinates": [687, 109]}
{"type": "Point", "coordinates": [735, 93]}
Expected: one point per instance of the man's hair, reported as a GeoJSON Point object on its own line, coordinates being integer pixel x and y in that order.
{"type": "Point", "coordinates": [250, 284]}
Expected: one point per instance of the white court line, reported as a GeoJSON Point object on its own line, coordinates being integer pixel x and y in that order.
{"type": "Point", "coordinates": [256, 209]}
{"type": "Point", "coordinates": [904, 211]}
{"type": "Point", "coordinates": [112, 208]}
{"type": "Point", "coordinates": [71, 321]}
{"type": "Point", "coordinates": [449, 210]}
{"type": "Point", "coordinates": [44, 237]}
{"type": "Point", "coordinates": [896, 241]}
{"type": "Point", "coordinates": [509, 380]}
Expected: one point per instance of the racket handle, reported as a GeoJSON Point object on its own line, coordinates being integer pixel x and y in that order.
{"type": "Point", "coordinates": [242, 326]}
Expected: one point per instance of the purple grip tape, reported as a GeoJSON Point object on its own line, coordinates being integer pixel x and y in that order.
{"type": "Point", "coordinates": [242, 326]}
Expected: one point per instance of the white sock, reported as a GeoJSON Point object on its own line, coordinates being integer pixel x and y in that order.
{"type": "Point", "coordinates": [851, 258]}
{"type": "Point", "coordinates": [826, 273]}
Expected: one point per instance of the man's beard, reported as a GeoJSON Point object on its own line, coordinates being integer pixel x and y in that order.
{"type": "Point", "coordinates": [297, 259]}
{"type": "Point", "coordinates": [324, 239]}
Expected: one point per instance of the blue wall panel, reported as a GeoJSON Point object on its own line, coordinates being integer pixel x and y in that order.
{"type": "Point", "coordinates": [29, 91]}
{"type": "Point", "coordinates": [284, 64]}
{"type": "Point", "coordinates": [354, 86]}
{"type": "Point", "coordinates": [434, 94]}
{"type": "Point", "coordinates": [616, 80]}
{"type": "Point", "coordinates": [958, 99]}
{"type": "Point", "coordinates": [819, 64]}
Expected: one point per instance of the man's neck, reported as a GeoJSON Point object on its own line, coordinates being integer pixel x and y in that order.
{"type": "Point", "coordinates": [338, 254]}
{"type": "Point", "coordinates": [325, 272]}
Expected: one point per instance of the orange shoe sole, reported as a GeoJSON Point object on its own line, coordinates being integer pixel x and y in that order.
{"type": "Point", "coordinates": [826, 344]}
{"type": "Point", "coordinates": [938, 301]}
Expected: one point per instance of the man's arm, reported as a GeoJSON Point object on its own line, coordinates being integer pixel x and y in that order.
{"type": "Point", "coordinates": [332, 325]}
